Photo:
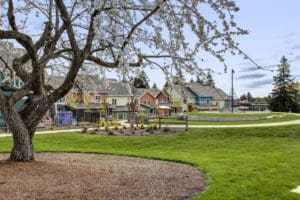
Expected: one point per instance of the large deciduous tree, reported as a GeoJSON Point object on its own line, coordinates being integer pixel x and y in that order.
{"type": "Point", "coordinates": [284, 94]}
{"type": "Point", "coordinates": [71, 37]}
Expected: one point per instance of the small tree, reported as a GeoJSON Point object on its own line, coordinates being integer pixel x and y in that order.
{"type": "Point", "coordinates": [284, 94]}
{"type": "Point", "coordinates": [133, 103]}
{"type": "Point", "coordinates": [71, 100]}
{"type": "Point", "coordinates": [178, 104]}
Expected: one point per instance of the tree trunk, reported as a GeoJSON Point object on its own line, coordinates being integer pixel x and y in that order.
{"type": "Point", "coordinates": [23, 144]}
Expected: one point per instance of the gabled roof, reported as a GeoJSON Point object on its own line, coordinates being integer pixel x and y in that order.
{"type": "Point", "coordinates": [141, 91]}
{"type": "Point", "coordinates": [207, 91]}
{"type": "Point", "coordinates": [94, 84]}
{"type": "Point", "coordinates": [182, 90]}
{"type": "Point", "coordinates": [115, 88]}
{"type": "Point", "coordinates": [223, 94]}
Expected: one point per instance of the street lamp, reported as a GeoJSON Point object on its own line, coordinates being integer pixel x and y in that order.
{"type": "Point", "coordinates": [232, 99]}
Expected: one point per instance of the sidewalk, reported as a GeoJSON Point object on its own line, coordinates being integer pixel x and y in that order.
{"type": "Point", "coordinates": [293, 122]}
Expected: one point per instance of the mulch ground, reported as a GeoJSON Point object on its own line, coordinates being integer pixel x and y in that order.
{"type": "Point", "coordinates": [136, 132]}
{"type": "Point", "coordinates": [94, 176]}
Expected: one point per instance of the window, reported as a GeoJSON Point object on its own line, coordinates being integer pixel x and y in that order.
{"type": "Point", "coordinates": [147, 102]}
{"type": "Point", "coordinates": [114, 102]}
{"type": "Point", "coordinates": [98, 98]}
{"type": "Point", "coordinates": [120, 116]}
{"type": "Point", "coordinates": [136, 101]}
{"type": "Point", "coordinates": [62, 100]}
{"type": "Point", "coordinates": [207, 101]}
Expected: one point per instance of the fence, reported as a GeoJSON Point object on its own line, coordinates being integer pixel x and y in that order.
{"type": "Point", "coordinates": [160, 120]}
{"type": "Point", "coordinates": [184, 120]}
{"type": "Point", "coordinates": [219, 119]}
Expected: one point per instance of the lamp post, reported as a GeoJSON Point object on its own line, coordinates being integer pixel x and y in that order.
{"type": "Point", "coordinates": [232, 99]}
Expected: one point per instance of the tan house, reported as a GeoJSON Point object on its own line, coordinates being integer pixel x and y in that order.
{"type": "Point", "coordinates": [195, 96]}
{"type": "Point", "coordinates": [180, 97]}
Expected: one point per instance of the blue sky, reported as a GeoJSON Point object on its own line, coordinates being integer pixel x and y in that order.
{"type": "Point", "coordinates": [274, 31]}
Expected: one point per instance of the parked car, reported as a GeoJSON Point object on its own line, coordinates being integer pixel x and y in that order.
{"type": "Point", "coordinates": [3, 125]}
{"type": "Point", "coordinates": [181, 116]}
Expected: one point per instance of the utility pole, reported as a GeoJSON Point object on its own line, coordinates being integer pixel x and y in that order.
{"type": "Point", "coordinates": [232, 99]}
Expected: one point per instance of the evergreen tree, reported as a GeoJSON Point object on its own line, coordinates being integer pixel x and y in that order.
{"type": "Point", "coordinates": [284, 94]}
{"type": "Point", "coordinates": [249, 96]}
{"type": "Point", "coordinates": [154, 86]}
{"type": "Point", "coordinates": [141, 81]}
{"type": "Point", "coordinates": [166, 84]}
{"type": "Point", "coordinates": [209, 80]}
{"type": "Point", "coordinates": [243, 97]}
{"type": "Point", "coordinates": [199, 80]}
{"type": "Point", "coordinates": [179, 78]}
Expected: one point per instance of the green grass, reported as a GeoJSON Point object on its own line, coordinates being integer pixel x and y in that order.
{"type": "Point", "coordinates": [240, 163]}
{"type": "Point", "coordinates": [232, 115]}
{"type": "Point", "coordinates": [287, 117]}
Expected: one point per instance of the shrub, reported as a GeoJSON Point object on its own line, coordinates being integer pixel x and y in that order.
{"type": "Point", "coordinates": [149, 128]}
{"type": "Point", "coordinates": [124, 127]}
{"type": "Point", "coordinates": [96, 125]}
{"type": "Point", "coordinates": [106, 128]}
{"type": "Point", "coordinates": [102, 123]}
{"type": "Point", "coordinates": [121, 130]}
{"type": "Point", "coordinates": [142, 126]}
{"type": "Point", "coordinates": [116, 127]}
{"type": "Point", "coordinates": [166, 128]}
{"type": "Point", "coordinates": [110, 132]}
{"type": "Point", "coordinates": [50, 127]}
{"type": "Point", "coordinates": [84, 129]}
{"type": "Point", "coordinates": [155, 127]}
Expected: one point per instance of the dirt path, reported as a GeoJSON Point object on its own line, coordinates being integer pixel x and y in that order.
{"type": "Point", "coordinates": [91, 176]}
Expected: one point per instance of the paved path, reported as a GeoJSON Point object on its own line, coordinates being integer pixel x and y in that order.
{"type": "Point", "coordinates": [293, 122]}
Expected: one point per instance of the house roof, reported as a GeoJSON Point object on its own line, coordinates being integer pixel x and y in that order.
{"type": "Point", "coordinates": [223, 94]}
{"type": "Point", "coordinates": [207, 91]}
{"type": "Point", "coordinates": [94, 84]}
{"type": "Point", "coordinates": [120, 109]}
{"type": "Point", "coordinates": [141, 91]}
{"type": "Point", "coordinates": [182, 90]}
{"type": "Point", "coordinates": [115, 88]}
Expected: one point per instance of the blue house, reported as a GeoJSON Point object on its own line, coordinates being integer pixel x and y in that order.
{"type": "Point", "coordinates": [208, 97]}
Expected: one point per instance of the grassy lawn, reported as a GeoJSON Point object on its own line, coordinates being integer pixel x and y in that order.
{"type": "Point", "coordinates": [287, 117]}
{"type": "Point", "coordinates": [233, 115]}
{"type": "Point", "coordinates": [240, 163]}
